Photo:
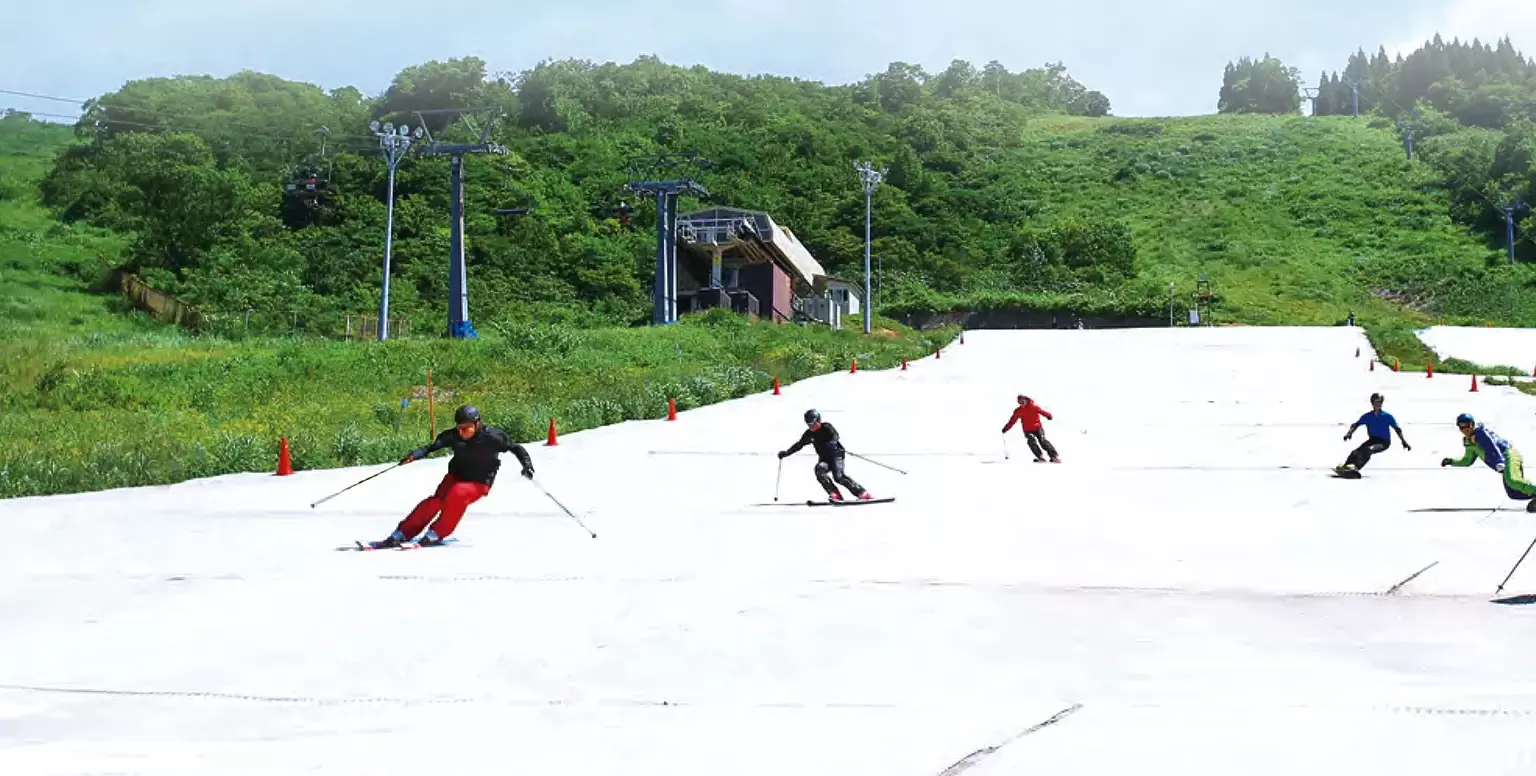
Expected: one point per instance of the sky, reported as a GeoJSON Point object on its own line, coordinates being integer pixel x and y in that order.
{"type": "Point", "coordinates": [1151, 59]}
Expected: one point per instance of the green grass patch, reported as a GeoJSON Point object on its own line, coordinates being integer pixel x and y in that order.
{"type": "Point", "coordinates": [194, 407]}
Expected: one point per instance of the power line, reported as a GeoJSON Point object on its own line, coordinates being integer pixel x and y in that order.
{"type": "Point", "coordinates": [163, 127]}
{"type": "Point", "coordinates": [364, 141]}
{"type": "Point", "coordinates": [1511, 227]}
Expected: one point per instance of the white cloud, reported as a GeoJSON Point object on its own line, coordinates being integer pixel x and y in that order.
{"type": "Point", "coordinates": [1486, 20]}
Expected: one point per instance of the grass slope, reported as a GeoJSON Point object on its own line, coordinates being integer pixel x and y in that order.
{"type": "Point", "coordinates": [94, 397]}
{"type": "Point", "coordinates": [1295, 220]}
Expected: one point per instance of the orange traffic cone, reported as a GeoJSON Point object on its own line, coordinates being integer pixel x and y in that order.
{"type": "Point", "coordinates": [776, 387]}
{"type": "Point", "coordinates": [1474, 384]}
{"type": "Point", "coordinates": [551, 442]}
{"type": "Point", "coordinates": [962, 336]}
{"type": "Point", "coordinates": [284, 461]}
{"type": "Point", "coordinates": [903, 365]}
{"type": "Point", "coordinates": [671, 409]}
{"type": "Point", "coordinates": [1373, 365]}
{"type": "Point", "coordinates": [938, 353]}
{"type": "Point", "coordinates": [855, 367]}
{"type": "Point", "coordinates": [1397, 364]}
{"type": "Point", "coordinates": [1429, 371]}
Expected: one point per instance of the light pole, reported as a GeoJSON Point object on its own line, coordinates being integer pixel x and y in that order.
{"type": "Point", "coordinates": [871, 178]}
{"type": "Point", "coordinates": [394, 141]}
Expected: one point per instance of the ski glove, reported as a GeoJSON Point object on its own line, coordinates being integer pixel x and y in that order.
{"type": "Point", "coordinates": [783, 454]}
{"type": "Point", "coordinates": [528, 472]}
{"type": "Point", "coordinates": [1445, 462]}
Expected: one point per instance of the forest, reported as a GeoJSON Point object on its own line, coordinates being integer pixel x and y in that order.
{"type": "Point", "coordinates": [197, 170]}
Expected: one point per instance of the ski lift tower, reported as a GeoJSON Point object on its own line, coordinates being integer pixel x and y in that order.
{"type": "Point", "coordinates": [666, 177]}
{"type": "Point", "coordinates": [1203, 298]}
{"type": "Point", "coordinates": [458, 287]}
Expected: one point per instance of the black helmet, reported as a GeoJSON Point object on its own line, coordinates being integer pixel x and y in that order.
{"type": "Point", "coordinates": [1376, 397]}
{"type": "Point", "coordinates": [812, 417]}
{"type": "Point", "coordinates": [466, 414]}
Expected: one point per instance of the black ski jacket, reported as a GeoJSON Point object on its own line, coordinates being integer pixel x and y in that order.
{"type": "Point", "coordinates": [825, 440]}
{"type": "Point", "coordinates": [475, 459]}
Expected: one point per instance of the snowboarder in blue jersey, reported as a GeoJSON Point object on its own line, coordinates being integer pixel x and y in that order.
{"type": "Point", "coordinates": [1479, 441]}
{"type": "Point", "coordinates": [1379, 426]}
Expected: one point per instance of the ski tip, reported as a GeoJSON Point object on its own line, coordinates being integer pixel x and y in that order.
{"type": "Point", "coordinates": [1515, 600]}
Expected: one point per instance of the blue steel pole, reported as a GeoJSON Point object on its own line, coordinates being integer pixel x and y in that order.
{"type": "Point", "coordinates": [869, 311]}
{"type": "Point", "coordinates": [659, 308]}
{"type": "Point", "coordinates": [671, 258]}
{"type": "Point", "coordinates": [389, 233]}
{"type": "Point", "coordinates": [458, 293]}
{"type": "Point", "coordinates": [1509, 232]}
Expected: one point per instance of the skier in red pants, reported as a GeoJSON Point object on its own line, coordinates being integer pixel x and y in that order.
{"type": "Point", "coordinates": [1028, 416]}
{"type": "Point", "coordinates": [477, 450]}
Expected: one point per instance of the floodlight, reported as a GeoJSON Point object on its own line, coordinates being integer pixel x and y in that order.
{"type": "Point", "coordinates": [389, 127]}
{"type": "Point", "coordinates": [373, 125]}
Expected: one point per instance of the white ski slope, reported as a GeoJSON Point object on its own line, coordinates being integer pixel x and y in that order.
{"type": "Point", "coordinates": [1204, 610]}
{"type": "Point", "coordinates": [1483, 346]}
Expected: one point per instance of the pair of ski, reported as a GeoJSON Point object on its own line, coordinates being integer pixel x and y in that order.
{"type": "Point", "coordinates": [830, 503]}
{"type": "Point", "coordinates": [361, 546]}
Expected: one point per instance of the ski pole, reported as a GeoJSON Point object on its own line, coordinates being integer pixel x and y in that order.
{"type": "Point", "coordinates": [1005, 447]}
{"type": "Point", "coordinates": [349, 487]}
{"type": "Point", "coordinates": [568, 513]}
{"type": "Point", "coordinates": [776, 479]}
{"type": "Point", "coordinates": [1517, 565]}
{"type": "Point", "coordinates": [877, 463]}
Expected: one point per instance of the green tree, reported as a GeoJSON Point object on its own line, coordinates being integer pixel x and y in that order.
{"type": "Point", "coordinates": [1260, 86]}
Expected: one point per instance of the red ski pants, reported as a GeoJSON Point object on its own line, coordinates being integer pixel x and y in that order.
{"type": "Point", "coordinates": [453, 496]}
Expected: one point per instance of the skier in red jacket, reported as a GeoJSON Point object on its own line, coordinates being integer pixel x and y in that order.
{"type": "Point", "coordinates": [1028, 416]}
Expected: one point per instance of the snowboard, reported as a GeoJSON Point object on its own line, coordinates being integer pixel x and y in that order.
{"type": "Point", "coordinates": [1347, 474]}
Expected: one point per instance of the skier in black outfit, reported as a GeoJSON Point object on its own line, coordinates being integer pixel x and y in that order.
{"type": "Point", "coordinates": [830, 452]}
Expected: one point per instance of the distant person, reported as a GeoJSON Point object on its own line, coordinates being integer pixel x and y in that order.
{"type": "Point", "coordinates": [1478, 441]}
{"type": "Point", "coordinates": [477, 450]}
{"type": "Point", "coordinates": [1028, 415]}
{"type": "Point", "coordinates": [830, 457]}
{"type": "Point", "coordinates": [1379, 426]}
{"type": "Point", "coordinates": [1351, 319]}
